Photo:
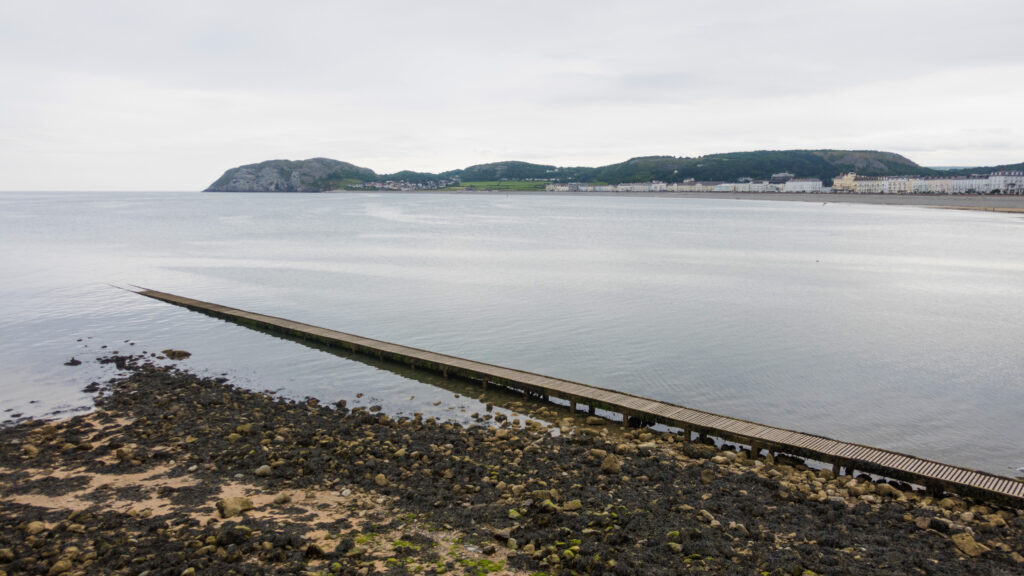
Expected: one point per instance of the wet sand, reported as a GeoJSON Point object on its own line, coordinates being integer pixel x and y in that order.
{"type": "Point", "coordinates": [180, 475]}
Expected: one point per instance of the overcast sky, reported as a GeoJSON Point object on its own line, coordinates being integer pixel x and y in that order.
{"type": "Point", "coordinates": [135, 95]}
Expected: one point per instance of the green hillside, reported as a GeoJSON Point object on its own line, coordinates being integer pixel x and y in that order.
{"type": "Point", "coordinates": [321, 174]}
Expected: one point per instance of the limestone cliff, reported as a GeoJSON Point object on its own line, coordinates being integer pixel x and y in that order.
{"type": "Point", "coordinates": [313, 175]}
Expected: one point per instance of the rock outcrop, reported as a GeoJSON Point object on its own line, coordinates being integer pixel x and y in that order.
{"type": "Point", "coordinates": [313, 175]}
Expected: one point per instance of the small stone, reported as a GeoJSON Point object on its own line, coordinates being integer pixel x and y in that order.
{"type": "Point", "coordinates": [598, 454]}
{"type": "Point", "coordinates": [572, 505]}
{"type": "Point", "coordinates": [60, 566]}
{"type": "Point", "coordinates": [888, 491]}
{"type": "Point", "coordinates": [705, 516]}
{"type": "Point", "coordinates": [513, 514]}
{"type": "Point", "coordinates": [282, 498]}
{"type": "Point", "coordinates": [233, 506]}
{"type": "Point", "coordinates": [707, 476]}
{"type": "Point", "coordinates": [244, 428]}
{"type": "Point", "coordinates": [314, 551]}
{"type": "Point", "coordinates": [511, 543]}
{"type": "Point", "coordinates": [234, 437]}
{"type": "Point", "coordinates": [264, 470]}
{"type": "Point", "coordinates": [6, 555]}
{"type": "Point", "coordinates": [737, 527]}
{"type": "Point", "coordinates": [672, 536]}
{"type": "Point", "coordinates": [940, 525]}
{"type": "Point", "coordinates": [995, 521]}
{"type": "Point", "coordinates": [611, 465]}
{"type": "Point", "coordinates": [29, 450]}
{"type": "Point", "coordinates": [380, 480]}
{"type": "Point", "coordinates": [188, 572]}
{"type": "Point", "coordinates": [34, 527]}
{"type": "Point", "coordinates": [947, 504]}
{"type": "Point", "coordinates": [720, 460]}
{"type": "Point", "coordinates": [675, 546]}
{"type": "Point", "coordinates": [966, 544]}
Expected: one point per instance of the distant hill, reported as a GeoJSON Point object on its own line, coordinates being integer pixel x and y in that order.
{"type": "Point", "coordinates": [322, 174]}
{"type": "Point", "coordinates": [313, 175]}
{"type": "Point", "coordinates": [514, 170]}
{"type": "Point", "coordinates": [1019, 167]}
{"type": "Point", "coordinates": [759, 165]}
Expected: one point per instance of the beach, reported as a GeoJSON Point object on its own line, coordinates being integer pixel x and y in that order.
{"type": "Point", "coordinates": [988, 203]}
{"type": "Point", "coordinates": [179, 474]}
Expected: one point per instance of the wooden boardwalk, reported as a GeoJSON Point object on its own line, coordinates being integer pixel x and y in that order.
{"type": "Point", "coordinates": [934, 475]}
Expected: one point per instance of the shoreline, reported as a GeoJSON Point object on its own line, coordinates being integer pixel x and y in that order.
{"type": "Point", "coordinates": [991, 203]}
{"type": "Point", "coordinates": [167, 456]}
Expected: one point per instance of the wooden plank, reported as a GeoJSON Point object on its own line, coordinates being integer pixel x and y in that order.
{"type": "Point", "coordinates": [1001, 485]}
{"type": "Point", "coordinates": [962, 474]}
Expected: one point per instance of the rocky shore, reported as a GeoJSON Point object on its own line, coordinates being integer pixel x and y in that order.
{"type": "Point", "coordinates": [181, 475]}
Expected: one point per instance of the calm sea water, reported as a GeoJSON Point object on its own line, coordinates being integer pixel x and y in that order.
{"type": "Point", "coordinates": [899, 327]}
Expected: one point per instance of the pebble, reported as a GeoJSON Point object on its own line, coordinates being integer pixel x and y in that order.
{"type": "Point", "coordinates": [966, 544]}
{"type": "Point", "coordinates": [233, 506]}
{"type": "Point", "coordinates": [60, 566]}
{"type": "Point", "coordinates": [611, 464]}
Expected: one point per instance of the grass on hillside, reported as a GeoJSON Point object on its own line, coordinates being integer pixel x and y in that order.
{"type": "Point", "coordinates": [509, 185]}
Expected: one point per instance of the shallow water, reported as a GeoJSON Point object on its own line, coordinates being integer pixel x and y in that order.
{"type": "Point", "coordinates": [899, 327]}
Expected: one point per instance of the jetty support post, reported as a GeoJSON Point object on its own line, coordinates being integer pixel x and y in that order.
{"type": "Point", "coordinates": [755, 450]}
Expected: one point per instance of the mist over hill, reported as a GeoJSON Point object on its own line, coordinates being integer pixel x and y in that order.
{"type": "Point", "coordinates": [323, 174]}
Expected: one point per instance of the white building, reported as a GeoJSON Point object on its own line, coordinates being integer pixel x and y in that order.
{"type": "Point", "coordinates": [802, 186]}
{"type": "Point", "coordinates": [1006, 182]}
{"type": "Point", "coordinates": [898, 185]}
{"type": "Point", "coordinates": [865, 185]}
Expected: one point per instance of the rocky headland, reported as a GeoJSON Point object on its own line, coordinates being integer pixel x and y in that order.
{"type": "Point", "coordinates": [181, 475]}
{"type": "Point", "coordinates": [313, 175]}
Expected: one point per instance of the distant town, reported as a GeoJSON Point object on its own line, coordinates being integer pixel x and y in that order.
{"type": "Point", "coordinates": [1005, 182]}
{"type": "Point", "coordinates": [849, 183]}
